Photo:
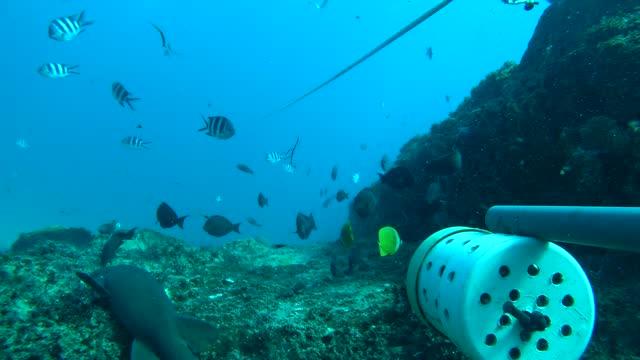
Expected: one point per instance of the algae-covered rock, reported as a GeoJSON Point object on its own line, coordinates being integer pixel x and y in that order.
{"type": "Point", "coordinates": [269, 303]}
{"type": "Point", "coordinates": [77, 237]}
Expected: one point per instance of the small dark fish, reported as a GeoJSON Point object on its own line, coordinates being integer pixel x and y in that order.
{"type": "Point", "coordinates": [341, 195]}
{"type": "Point", "coordinates": [67, 28]}
{"type": "Point", "coordinates": [447, 98]}
{"type": "Point", "coordinates": [244, 168]}
{"type": "Point", "coordinates": [219, 226]}
{"type": "Point", "coordinates": [429, 53]}
{"type": "Point", "coordinates": [364, 203]}
{"type": "Point", "coordinates": [139, 126]}
{"type": "Point", "coordinates": [334, 173]}
{"type": "Point", "coordinates": [398, 178]}
{"type": "Point", "coordinates": [357, 17]}
{"type": "Point", "coordinates": [165, 44]}
{"type": "Point", "coordinates": [384, 163]}
{"type": "Point", "coordinates": [218, 127]}
{"type": "Point", "coordinates": [108, 228]}
{"type": "Point", "coordinates": [167, 217]}
{"type": "Point", "coordinates": [253, 222]}
{"type": "Point", "coordinates": [278, 246]}
{"type": "Point", "coordinates": [262, 200]}
{"type": "Point", "coordinates": [113, 244]}
{"type": "Point", "coordinates": [122, 96]}
{"type": "Point", "coordinates": [135, 142]}
{"type": "Point", "coordinates": [327, 202]}
{"type": "Point", "coordinates": [323, 192]}
{"type": "Point", "coordinates": [364, 147]}
{"type": "Point", "coordinates": [304, 225]}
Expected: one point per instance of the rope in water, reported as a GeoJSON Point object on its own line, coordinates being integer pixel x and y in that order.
{"type": "Point", "coordinates": [384, 44]}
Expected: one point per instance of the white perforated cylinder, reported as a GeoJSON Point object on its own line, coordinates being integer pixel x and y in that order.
{"type": "Point", "coordinates": [460, 278]}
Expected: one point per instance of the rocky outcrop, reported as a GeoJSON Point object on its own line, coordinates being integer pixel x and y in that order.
{"type": "Point", "coordinates": [561, 127]}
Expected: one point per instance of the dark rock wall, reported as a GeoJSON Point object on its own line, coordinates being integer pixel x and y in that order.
{"type": "Point", "coordinates": [561, 127]}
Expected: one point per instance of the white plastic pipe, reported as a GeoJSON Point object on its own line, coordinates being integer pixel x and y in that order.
{"type": "Point", "coordinates": [604, 227]}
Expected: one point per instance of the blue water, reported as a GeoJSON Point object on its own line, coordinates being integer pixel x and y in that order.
{"type": "Point", "coordinates": [241, 59]}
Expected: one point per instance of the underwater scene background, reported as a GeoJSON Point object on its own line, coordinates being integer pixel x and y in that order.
{"type": "Point", "coordinates": [241, 60]}
{"type": "Point", "coordinates": [121, 118]}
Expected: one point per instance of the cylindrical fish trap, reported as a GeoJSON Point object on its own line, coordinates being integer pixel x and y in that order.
{"type": "Point", "coordinates": [502, 296]}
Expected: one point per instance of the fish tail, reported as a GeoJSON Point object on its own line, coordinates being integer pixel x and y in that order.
{"type": "Point", "coordinates": [180, 221]}
{"type": "Point", "coordinates": [81, 20]}
{"type": "Point", "coordinates": [72, 69]}
{"type": "Point", "coordinates": [236, 228]}
{"type": "Point", "coordinates": [129, 100]}
{"type": "Point", "coordinates": [205, 127]}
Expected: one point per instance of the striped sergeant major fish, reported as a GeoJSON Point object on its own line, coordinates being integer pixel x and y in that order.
{"type": "Point", "coordinates": [135, 142]}
{"type": "Point", "coordinates": [56, 71]}
{"type": "Point", "coordinates": [218, 126]}
{"type": "Point", "coordinates": [67, 28]}
{"type": "Point", "coordinates": [121, 95]}
{"type": "Point", "coordinates": [275, 157]}
{"type": "Point", "coordinates": [289, 168]}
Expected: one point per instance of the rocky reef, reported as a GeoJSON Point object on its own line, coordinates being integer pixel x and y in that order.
{"type": "Point", "coordinates": [269, 302]}
{"type": "Point", "coordinates": [561, 127]}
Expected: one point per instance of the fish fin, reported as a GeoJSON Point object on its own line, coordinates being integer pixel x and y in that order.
{"type": "Point", "coordinates": [87, 279]}
{"type": "Point", "coordinates": [140, 351]}
{"type": "Point", "coordinates": [164, 40]}
{"type": "Point", "coordinates": [81, 20]}
{"type": "Point", "coordinates": [206, 126]}
{"type": "Point", "coordinates": [236, 227]}
{"type": "Point", "coordinates": [129, 102]}
{"type": "Point", "coordinates": [198, 334]}
{"type": "Point", "coordinates": [180, 221]}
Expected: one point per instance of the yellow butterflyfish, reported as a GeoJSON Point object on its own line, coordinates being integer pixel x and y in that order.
{"type": "Point", "coordinates": [388, 241]}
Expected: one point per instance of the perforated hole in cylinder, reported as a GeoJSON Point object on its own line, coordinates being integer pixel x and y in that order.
{"type": "Point", "coordinates": [533, 270]}
{"type": "Point", "coordinates": [490, 339]}
{"type": "Point", "coordinates": [504, 271]}
{"type": "Point", "coordinates": [485, 298]}
{"type": "Point", "coordinates": [568, 301]}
